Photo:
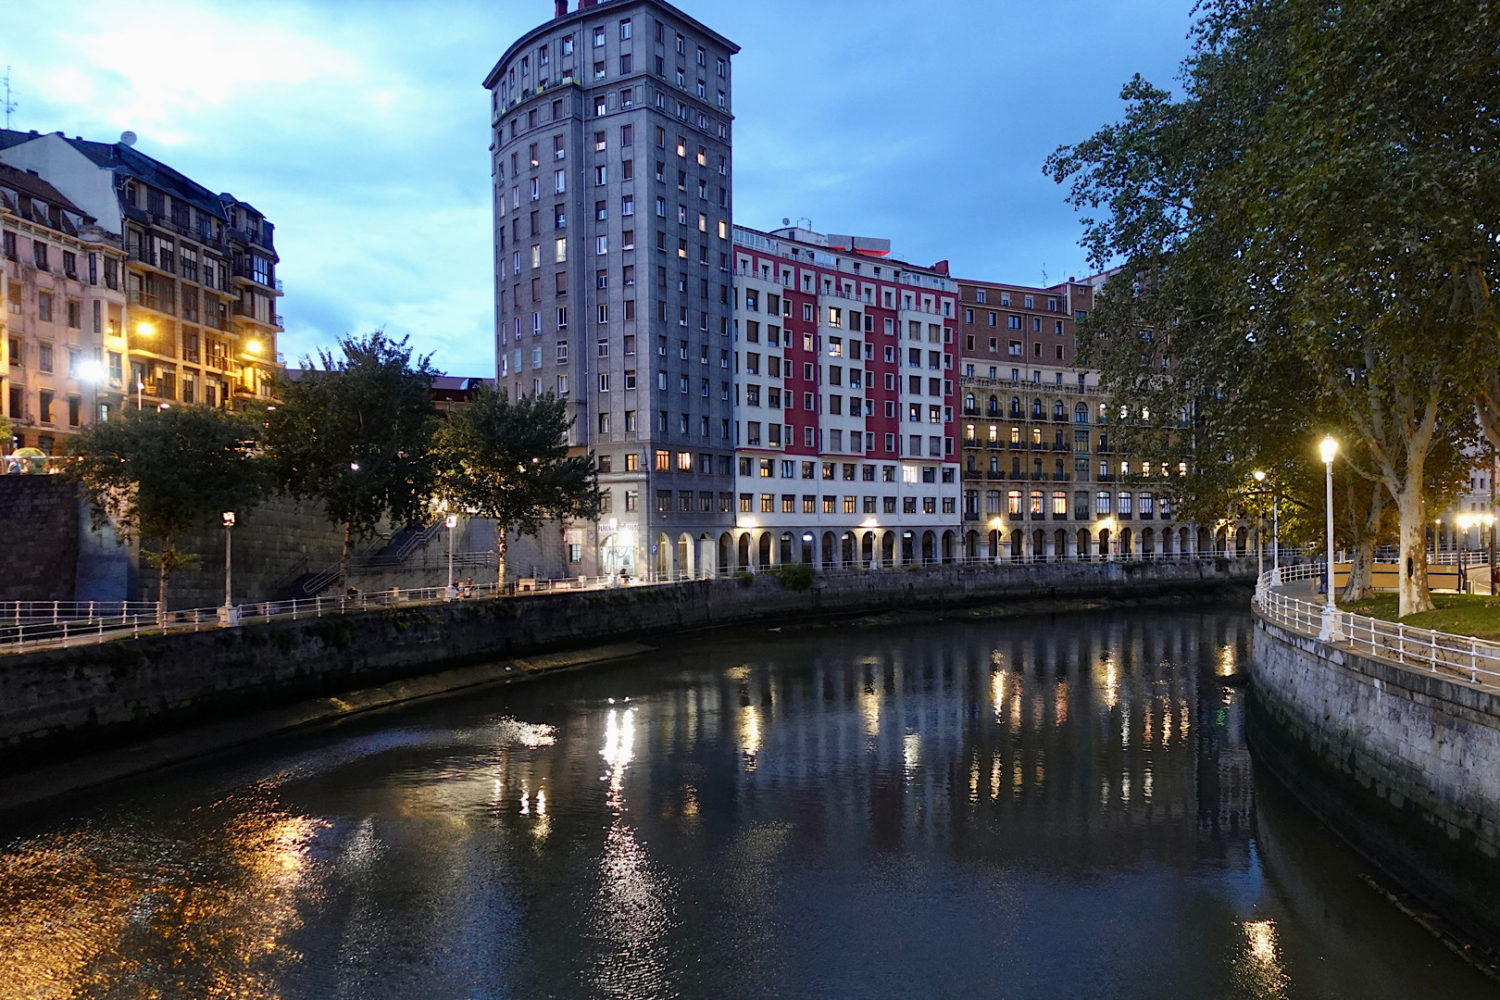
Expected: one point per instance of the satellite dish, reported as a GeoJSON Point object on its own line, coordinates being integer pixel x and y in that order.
{"type": "Point", "coordinates": [127, 138]}
{"type": "Point", "coordinates": [785, 221]}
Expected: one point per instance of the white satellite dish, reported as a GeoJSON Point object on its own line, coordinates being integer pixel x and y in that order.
{"type": "Point", "coordinates": [127, 138]}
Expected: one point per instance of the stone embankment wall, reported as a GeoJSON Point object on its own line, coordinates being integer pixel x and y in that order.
{"type": "Point", "coordinates": [59, 702]}
{"type": "Point", "coordinates": [1404, 763]}
{"type": "Point", "coordinates": [39, 559]}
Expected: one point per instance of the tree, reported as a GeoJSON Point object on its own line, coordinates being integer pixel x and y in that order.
{"type": "Point", "coordinates": [154, 474]}
{"type": "Point", "coordinates": [1329, 185]}
{"type": "Point", "coordinates": [511, 462]}
{"type": "Point", "coordinates": [355, 435]}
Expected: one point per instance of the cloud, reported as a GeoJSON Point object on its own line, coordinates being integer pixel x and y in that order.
{"type": "Point", "coordinates": [360, 128]}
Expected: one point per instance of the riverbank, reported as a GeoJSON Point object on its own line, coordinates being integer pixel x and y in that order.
{"type": "Point", "coordinates": [1402, 764]}
{"type": "Point", "coordinates": [156, 699]}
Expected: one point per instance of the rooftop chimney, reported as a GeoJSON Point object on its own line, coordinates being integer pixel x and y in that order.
{"type": "Point", "coordinates": [583, 4]}
{"type": "Point", "coordinates": [561, 7]}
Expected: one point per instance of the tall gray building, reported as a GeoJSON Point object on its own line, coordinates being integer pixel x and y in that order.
{"type": "Point", "coordinates": [612, 173]}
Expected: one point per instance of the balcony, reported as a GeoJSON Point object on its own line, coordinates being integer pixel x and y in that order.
{"type": "Point", "coordinates": [152, 301]}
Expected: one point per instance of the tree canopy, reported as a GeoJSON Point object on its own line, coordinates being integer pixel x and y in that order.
{"type": "Point", "coordinates": [155, 473]}
{"type": "Point", "coordinates": [354, 432]}
{"type": "Point", "coordinates": [510, 461]}
{"type": "Point", "coordinates": [1309, 234]}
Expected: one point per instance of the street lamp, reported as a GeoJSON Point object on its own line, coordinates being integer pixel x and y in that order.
{"type": "Point", "coordinates": [229, 615]}
{"type": "Point", "coordinates": [1329, 449]}
{"type": "Point", "coordinates": [451, 521]}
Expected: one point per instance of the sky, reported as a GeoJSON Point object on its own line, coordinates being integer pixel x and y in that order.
{"type": "Point", "coordinates": [360, 129]}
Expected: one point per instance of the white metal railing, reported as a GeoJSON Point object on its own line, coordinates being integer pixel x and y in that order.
{"type": "Point", "coordinates": [40, 624]}
{"type": "Point", "coordinates": [1460, 657]}
{"type": "Point", "coordinates": [28, 625]}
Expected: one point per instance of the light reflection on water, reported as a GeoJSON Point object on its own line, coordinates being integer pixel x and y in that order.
{"type": "Point", "coordinates": [1032, 808]}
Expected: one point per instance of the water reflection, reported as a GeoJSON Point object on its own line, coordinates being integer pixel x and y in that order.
{"type": "Point", "coordinates": [1040, 808]}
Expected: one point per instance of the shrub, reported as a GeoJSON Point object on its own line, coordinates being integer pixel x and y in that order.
{"type": "Point", "coordinates": [794, 576]}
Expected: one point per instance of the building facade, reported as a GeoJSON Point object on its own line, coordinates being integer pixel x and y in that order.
{"type": "Point", "coordinates": [844, 393]}
{"type": "Point", "coordinates": [612, 175]}
{"type": "Point", "coordinates": [1044, 475]}
{"type": "Point", "coordinates": [200, 324]}
{"type": "Point", "coordinates": [62, 308]}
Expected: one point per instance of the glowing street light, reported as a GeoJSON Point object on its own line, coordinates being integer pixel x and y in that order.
{"type": "Point", "coordinates": [91, 373]}
{"type": "Point", "coordinates": [1329, 449]}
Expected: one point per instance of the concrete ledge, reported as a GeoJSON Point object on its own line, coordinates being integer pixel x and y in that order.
{"type": "Point", "coordinates": [56, 704]}
{"type": "Point", "coordinates": [58, 779]}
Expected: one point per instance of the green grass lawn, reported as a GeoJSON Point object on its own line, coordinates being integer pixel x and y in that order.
{"type": "Point", "coordinates": [1461, 614]}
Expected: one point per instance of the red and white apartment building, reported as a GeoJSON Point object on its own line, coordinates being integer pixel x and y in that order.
{"type": "Point", "coordinates": [846, 390]}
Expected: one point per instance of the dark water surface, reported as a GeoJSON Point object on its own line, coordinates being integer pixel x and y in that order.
{"type": "Point", "coordinates": [1048, 807]}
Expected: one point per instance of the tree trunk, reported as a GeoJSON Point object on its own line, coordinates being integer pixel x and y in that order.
{"type": "Point", "coordinates": [344, 560]}
{"type": "Point", "coordinates": [1361, 584]}
{"type": "Point", "coordinates": [163, 567]}
{"type": "Point", "coordinates": [500, 543]}
{"type": "Point", "coordinates": [1414, 595]}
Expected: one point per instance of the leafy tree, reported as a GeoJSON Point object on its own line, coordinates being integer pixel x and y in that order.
{"type": "Point", "coordinates": [511, 462]}
{"type": "Point", "coordinates": [355, 434]}
{"type": "Point", "coordinates": [154, 474]}
{"type": "Point", "coordinates": [1321, 204]}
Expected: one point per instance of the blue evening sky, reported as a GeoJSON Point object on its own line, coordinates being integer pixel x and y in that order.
{"type": "Point", "coordinates": [360, 129]}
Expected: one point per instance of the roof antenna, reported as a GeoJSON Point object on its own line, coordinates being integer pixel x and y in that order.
{"type": "Point", "coordinates": [9, 105]}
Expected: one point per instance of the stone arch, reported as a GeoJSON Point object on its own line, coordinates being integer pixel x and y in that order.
{"type": "Point", "coordinates": [848, 551]}
{"type": "Point", "coordinates": [743, 559]}
{"type": "Point", "coordinates": [685, 559]}
{"type": "Point", "coordinates": [1148, 543]}
{"type": "Point", "coordinates": [664, 550]}
{"type": "Point", "coordinates": [726, 555]}
{"type": "Point", "coordinates": [829, 550]}
{"type": "Point", "coordinates": [1205, 540]}
{"type": "Point", "coordinates": [867, 549]}
{"type": "Point", "coordinates": [1017, 545]}
{"type": "Point", "coordinates": [971, 545]}
{"type": "Point", "coordinates": [887, 549]}
{"type": "Point", "coordinates": [1241, 541]}
{"type": "Point", "coordinates": [765, 550]}
{"type": "Point", "coordinates": [1084, 549]}
{"type": "Point", "coordinates": [1127, 543]}
{"type": "Point", "coordinates": [1104, 543]}
{"type": "Point", "coordinates": [1060, 544]}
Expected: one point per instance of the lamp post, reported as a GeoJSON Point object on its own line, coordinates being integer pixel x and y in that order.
{"type": "Point", "coordinates": [451, 522]}
{"type": "Point", "coordinates": [1329, 449]}
{"type": "Point", "coordinates": [229, 615]}
{"type": "Point", "coordinates": [1260, 548]}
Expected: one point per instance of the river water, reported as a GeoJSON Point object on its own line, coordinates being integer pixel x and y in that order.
{"type": "Point", "coordinates": [1042, 807]}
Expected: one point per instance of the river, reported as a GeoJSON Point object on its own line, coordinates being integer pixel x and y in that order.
{"type": "Point", "coordinates": [1050, 807]}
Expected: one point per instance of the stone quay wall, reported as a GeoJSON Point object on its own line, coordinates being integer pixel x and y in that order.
{"type": "Point", "coordinates": [1404, 764]}
{"type": "Point", "coordinates": [57, 703]}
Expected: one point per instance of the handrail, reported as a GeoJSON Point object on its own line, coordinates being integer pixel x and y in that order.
{"type": "Point", "coordinates": [54, 624]}
{"type": "Point", "coordinates": [1457, 657]}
